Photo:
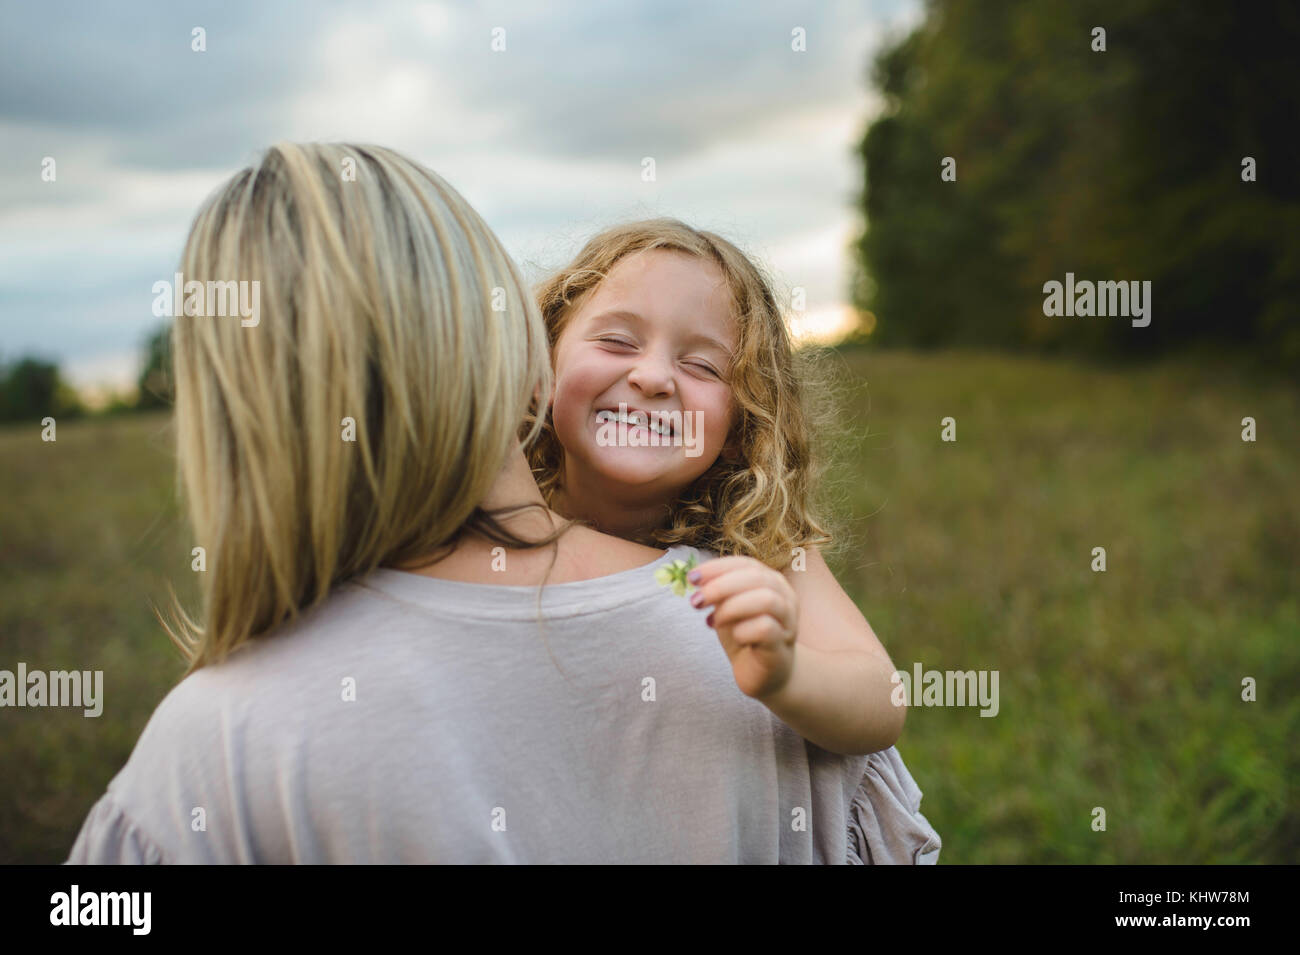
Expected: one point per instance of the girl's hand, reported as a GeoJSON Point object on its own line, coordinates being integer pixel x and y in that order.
{"type": "Point", "coordinates": [756, 617]}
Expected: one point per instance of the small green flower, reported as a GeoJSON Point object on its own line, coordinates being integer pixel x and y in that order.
{"type": "Point", "coordinates": [675, 574]}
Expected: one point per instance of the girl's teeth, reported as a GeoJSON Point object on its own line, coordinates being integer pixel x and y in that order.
{"type": "Point", "coordinates": [636, 419]}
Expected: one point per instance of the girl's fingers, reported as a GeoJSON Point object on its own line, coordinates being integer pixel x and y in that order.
{"type": "Point", "coordinates": [751, 603]}
{"type": "Point", "coordinates": [761, 629]}
{"type": "Point", "coordinates": [710, 569]}
{"type": "Point", "coordinates": [751, 576]}
{"type": "Point", "coordinates": [735, 581]}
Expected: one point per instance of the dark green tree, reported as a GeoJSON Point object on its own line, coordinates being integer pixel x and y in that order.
{"type": "Point", "coordinates": [1121, 165]}
{"type": "Point", "coordinates": [31, 389]}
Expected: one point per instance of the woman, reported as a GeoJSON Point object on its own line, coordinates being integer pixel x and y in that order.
{"type": "Point", "coordinates": [387, 667]}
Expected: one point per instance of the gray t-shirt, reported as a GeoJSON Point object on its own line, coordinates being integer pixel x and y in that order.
{"type": "Point", "coordinates": [417, 720]}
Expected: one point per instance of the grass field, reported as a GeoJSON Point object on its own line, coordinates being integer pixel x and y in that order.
{"type": "Point", "coordinates": [1119, 689]}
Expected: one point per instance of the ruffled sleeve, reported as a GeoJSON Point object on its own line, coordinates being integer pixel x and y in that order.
{"type": "Point", "coordinates": [110, 837]}
{"type": "Point", "coordinates": [885, 822]}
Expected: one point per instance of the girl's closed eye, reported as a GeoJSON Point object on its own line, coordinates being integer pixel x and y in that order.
{"type": "Point", "coordinates": [702, 366]}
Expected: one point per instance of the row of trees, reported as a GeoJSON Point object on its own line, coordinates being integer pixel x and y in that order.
{"type": "Point", "coordinates": [1162, 149]}
{"type": "Point", "coordinates": [32, 388]}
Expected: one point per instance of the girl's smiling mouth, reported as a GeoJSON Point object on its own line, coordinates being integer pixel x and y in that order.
{"type": "Point", "coordinates": [661, 424]}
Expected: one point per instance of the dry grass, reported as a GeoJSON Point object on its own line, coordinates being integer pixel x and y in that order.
{"type": "Point", "coordinates": [1120, 690]}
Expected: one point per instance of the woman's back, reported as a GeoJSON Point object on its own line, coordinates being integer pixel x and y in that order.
{"type": "Point", "coordinates": [412, 719]}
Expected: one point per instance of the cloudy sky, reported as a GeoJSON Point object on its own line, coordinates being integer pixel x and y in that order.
{"type": "Point", "coordinates": [545, 138]}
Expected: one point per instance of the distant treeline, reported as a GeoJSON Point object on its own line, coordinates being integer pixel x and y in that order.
{"type": "Point", "coordinates": [32, 388]}
{"type": "Point", "coordinates": [1163, 150]}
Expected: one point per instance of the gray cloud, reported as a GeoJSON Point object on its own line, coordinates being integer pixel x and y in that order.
{"type": "Point", "coordinates": [127, 71]}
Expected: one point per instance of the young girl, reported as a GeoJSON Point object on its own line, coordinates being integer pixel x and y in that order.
{"type": "Point", "coordinates": [679, 416]}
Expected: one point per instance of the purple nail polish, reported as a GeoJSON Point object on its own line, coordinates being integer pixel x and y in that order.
{"type": "Point", "coordinates": [696, 599]}
{"type": "Point", "coordinates": [693, 576]}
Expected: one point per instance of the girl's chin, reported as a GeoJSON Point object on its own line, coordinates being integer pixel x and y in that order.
{"type": "Point", "coordinates": [630, 465]}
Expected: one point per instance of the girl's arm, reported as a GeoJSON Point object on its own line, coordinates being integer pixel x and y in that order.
{"type": "Point", "coordinates": [839, 689]}
{"type": "Point", "coordinates": [800, 646]}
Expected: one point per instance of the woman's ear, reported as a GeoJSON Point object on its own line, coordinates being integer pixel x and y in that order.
{"type": "Point", "coordinates": [550, 400]}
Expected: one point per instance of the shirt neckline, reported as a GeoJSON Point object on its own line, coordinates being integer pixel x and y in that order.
{"type": "Point", "coordinates": [513, 601]}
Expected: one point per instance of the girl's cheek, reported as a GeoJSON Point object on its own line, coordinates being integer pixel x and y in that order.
{"type": "Point", "coordinates": [723, 417]}
{"type": "Point", "coordinates": [561, 409]}
{"type": "Point", "coordinates": [567, 409]}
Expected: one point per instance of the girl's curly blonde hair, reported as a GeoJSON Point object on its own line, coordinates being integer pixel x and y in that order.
{"type": "Point", "coordinates": [758, 503]}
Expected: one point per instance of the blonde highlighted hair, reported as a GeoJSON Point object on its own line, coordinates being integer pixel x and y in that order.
{"type": "Point", "coordinates": [385, 300]}
{"type": "Point", "coordinates": [757, 503]}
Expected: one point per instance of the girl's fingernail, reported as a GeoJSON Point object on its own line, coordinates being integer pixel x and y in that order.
{"type": "Point", "coordinates": [709, 620]}
{"type": "Point", "coordinates": [693, 576]}
{"type": "Point", "coordinates": [697, 598]}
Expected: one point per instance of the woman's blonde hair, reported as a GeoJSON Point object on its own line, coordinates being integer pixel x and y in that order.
{"type": "Point", "coordinates": [759, 502]}
{"type": "Point", "coordinates": [368, 411]}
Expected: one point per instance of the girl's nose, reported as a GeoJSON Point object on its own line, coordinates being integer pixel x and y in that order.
{"type": "Point", "coordinates": [652, 378]}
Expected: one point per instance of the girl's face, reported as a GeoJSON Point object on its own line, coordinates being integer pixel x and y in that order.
{"type": "Point", "coordinates": [656, 335]}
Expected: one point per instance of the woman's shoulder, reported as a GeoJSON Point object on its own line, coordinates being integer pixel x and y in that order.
{"type": "Point", "coordinates": [596, 554]}
{"type": "Point", "coordinates": [267, 667]}
{"type": "Point", "coordinates": [246, 710]}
